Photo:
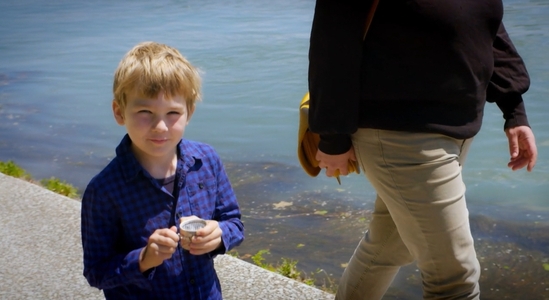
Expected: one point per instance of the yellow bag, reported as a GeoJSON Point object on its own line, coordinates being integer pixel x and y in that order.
{"type": "Point", "coordinates": [307, 144]}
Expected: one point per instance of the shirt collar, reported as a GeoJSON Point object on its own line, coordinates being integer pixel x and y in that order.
{"type": "Point", "coordinates": [189, 156]}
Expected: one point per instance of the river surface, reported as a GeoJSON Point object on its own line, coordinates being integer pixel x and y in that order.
{"type": "Point", "coordinates": [57, 60]}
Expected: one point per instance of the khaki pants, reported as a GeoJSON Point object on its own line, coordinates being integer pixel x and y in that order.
{"type": "Point", "coordinates": [420, 215]}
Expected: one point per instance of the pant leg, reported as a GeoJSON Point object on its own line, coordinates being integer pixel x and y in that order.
{"type": "Point", "coordinates": [376, 260]}
{"type": "Point", "coordinates": [418, 178]}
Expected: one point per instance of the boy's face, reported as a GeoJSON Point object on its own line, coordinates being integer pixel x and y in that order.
{"type": "Point", "coordinates": [155, 125]}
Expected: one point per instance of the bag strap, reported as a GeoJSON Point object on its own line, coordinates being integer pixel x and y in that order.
{"type": "Point", "coordinates": [370, 17]}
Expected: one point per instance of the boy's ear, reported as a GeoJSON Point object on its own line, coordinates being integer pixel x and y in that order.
{"type": "Point", "coordinates": [118, 113]}
{"type": "Point", "coordinates": [190, 113]}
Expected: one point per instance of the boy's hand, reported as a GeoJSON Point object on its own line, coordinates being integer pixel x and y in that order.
{"type": "Point", "coordinates": [206, 240]}
{"type": "Point", "coordinates": [162, 244]}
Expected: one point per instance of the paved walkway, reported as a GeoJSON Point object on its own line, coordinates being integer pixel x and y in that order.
{"type": "Point", "coordinates": [41, 253]}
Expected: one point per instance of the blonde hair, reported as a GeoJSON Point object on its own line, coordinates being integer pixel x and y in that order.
{"type": "Point", "coordinates": [150, 68]}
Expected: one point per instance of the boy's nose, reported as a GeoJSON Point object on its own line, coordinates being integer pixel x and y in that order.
{"type": "Point", "coordinates": [160, 125]}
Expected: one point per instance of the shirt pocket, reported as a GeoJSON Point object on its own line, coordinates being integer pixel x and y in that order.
{"type": "Point", "coordinates": [202, 197]}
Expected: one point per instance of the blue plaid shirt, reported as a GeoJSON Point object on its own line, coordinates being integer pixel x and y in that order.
{"type": "Point", "coordinates": [123, 205]}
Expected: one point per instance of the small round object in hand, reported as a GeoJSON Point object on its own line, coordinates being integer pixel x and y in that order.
{"type": "Point", "coordinates": [189, 227]}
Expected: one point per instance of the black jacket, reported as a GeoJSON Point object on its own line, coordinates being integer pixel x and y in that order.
{"type": "Point", "coordinates": [425, 66]}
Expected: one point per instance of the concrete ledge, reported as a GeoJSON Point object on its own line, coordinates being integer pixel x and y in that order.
{"type": "Point", "coordinates": [41, 253]}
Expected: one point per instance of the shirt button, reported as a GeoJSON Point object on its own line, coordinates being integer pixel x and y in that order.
{"type": "Point", "coordinates": [192, 281]}
{"type": "Point", "coordinates": [201, 185]}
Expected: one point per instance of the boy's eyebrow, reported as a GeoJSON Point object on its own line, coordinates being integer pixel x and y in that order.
{"type": "Point", "coordinates": [144, 102]}
{"type": "Point", "coordinates": [141, 101]}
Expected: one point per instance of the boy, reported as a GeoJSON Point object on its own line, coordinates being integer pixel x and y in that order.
{"type": "Point", "coordinates": [132, 209]}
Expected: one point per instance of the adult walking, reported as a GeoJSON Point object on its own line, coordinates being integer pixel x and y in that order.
{"type": "Point", "coordinates": [406, 102]}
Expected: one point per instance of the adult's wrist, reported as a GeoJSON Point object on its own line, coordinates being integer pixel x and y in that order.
{"type": "Point", "coordinates": [334, 144]}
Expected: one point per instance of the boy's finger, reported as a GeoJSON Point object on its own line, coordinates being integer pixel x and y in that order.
{"type": "Point", "coordinates": [211, 226]}
{"type": "Point", "coordinates": [167, 236]}
{"type": "Point", "coordinates": [167, 249]}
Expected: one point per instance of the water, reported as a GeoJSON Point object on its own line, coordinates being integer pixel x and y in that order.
{"type": "Point", "coordinates": [253, 58]}
{"type": "Point", "coordinates": [58, 57]}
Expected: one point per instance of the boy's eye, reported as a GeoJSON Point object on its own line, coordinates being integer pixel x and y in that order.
{"type": "Point", "coordinates": [174, 113]}
{"type": "Point", "coordinates": [144, 111]}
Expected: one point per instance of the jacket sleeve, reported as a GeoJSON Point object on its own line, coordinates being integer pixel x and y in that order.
{"type": "Point", "coordinates": [510, 80]}
{"type": "Point", "coordinates": [335, 56]}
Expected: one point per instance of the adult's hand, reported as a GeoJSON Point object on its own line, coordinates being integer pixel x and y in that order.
{"type": "Point", "coordinates": [522, 147]}
{"type": "Point", "coordinates": [335, 162]}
